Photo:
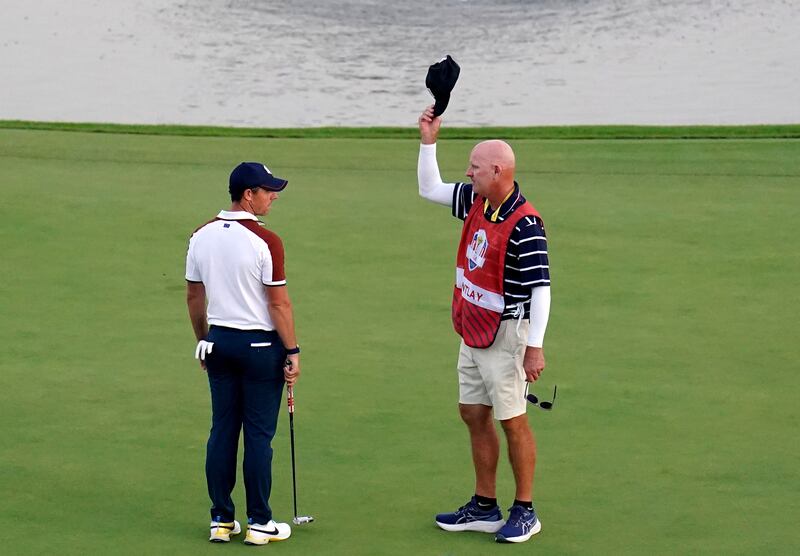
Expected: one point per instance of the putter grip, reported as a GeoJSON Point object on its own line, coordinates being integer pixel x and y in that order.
{"type": "Point", "coordinates": [290, 399]}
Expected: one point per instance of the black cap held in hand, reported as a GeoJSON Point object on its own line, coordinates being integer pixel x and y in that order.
{"type": "Point", "coordinates": [441, 79]}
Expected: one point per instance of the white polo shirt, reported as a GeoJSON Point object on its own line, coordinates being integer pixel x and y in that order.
{"type": "Point", "coordinates": [235, 257]}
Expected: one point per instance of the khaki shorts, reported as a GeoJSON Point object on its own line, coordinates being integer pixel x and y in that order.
{"type": "Point", "coordinates": [494, 376]}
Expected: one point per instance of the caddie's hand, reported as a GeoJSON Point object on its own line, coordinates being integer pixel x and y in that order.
{"type": "Point", "coordinates": [533, 363]}
{"type": "Point", "coordinates": [429, 126]}
{"type": "Point", "coordinates": [203, 348]}
{"type": "Point", "coordinates": [291, 369]}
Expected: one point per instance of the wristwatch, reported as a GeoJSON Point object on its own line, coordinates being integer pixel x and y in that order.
{"type": "Point", "coordinates": [294, 351]}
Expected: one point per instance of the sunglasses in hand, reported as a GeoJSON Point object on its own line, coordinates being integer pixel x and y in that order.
{"type": "Point", "coordinates": [547, 406]}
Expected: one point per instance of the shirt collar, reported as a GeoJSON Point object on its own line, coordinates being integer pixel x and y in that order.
{"type": "Point", "coordinates": [508, 206]}
{"type": "Point", "coordinates": [236, 215]}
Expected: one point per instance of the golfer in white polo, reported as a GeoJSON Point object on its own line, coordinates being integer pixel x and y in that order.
{"type": "Point", "coordinates": [246, 343]}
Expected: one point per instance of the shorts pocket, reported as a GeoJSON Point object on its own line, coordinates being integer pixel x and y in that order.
{"type": "Point", "coordinates": [510, 339]}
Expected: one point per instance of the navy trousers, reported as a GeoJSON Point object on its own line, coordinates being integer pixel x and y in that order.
{"type": "Point", "coordinates": [245, 374]}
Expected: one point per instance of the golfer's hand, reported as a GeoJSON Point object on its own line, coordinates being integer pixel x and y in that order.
{"type": "Point", "coordinates": [203, 348]}
{"type": "Point", "coordinates": [533, 363]}
{"type": "Point", "coordinates": [291, 369]}
{"type": "Point", "coordinates": [429, 126]}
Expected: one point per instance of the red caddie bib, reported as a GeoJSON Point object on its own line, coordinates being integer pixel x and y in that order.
{"type": "Point", "coordinates": [478, 301]}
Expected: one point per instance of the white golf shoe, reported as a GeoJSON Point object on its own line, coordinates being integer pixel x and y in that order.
{"type": "Point", "coordinates": [222, 532]}
{"type": "Point", "coordinates": [258, 533]}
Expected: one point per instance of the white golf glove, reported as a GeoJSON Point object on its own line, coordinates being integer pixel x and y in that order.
{"type": "Point", "coordinates": [203, 347]}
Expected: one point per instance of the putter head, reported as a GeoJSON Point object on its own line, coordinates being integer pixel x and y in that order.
{"type": "Point", "coordinates": [300, 519]}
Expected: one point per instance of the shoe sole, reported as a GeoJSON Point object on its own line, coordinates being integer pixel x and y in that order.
{"type": "Point", "coordinates": [478, 526]}
{"type": "Point", "coordinates": [224, 538]}
{"type": "Point", "coordinates": [266, 541]}
{"type": "Point", "coordinates": [536, 528]}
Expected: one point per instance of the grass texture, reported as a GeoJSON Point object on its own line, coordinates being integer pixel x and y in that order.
{"type": "Point", "coordinates": [672, 338]}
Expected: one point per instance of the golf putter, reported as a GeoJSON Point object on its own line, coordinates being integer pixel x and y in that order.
{"type": "Point", "coordinates": [298, 519]}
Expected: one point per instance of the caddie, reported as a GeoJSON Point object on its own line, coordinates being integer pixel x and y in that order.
{"type": "Point", "coordinates": [500, 308]}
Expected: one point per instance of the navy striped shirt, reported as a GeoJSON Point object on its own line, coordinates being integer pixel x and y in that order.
{"type": "Point", "coordinates": [526, 264]}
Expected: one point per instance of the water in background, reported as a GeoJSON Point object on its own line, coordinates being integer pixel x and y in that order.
{"type": "Point", "coordinates": [362, 62]}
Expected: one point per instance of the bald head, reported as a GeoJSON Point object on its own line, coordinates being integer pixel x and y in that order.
{"type": "Point", "coordinates": [491, 169]}
{"type": "Point", "coordinates": [496, 153]}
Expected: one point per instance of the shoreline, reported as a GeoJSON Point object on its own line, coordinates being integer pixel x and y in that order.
{"type": "Point", "coordinates": [582, 132]}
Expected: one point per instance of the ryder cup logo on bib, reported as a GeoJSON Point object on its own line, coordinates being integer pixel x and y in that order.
{"type": "Point", "coordinates": [476, 250]}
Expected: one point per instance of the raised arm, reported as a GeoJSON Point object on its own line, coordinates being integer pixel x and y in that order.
{"type": "Point", "coordinates": [431, 186]}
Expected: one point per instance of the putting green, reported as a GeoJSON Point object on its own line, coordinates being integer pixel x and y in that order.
{"type": "Point", "coordinates": [672, 340]}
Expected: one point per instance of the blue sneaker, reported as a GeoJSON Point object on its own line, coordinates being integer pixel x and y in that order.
{"type": "Point", "coordinates": [522, 524]}
{"type": "Point", "coordinates": [470, 517]}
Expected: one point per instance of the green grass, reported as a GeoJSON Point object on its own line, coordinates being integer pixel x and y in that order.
{"type": "Point", "coordinates": [786, 131]}
{"type": "Point", "coordinates": [672, 339]}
